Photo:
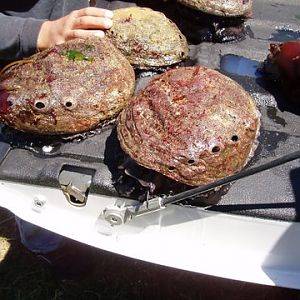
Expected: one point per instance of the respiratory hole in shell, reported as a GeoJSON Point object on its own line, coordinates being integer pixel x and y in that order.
{"type": "Point", "coordinates": [235, 138]}
{"type": "Point", "coordinates": [9, 103]}
{"type": "Point", "coordinates": [68, 104]}
{"type": "Point", "coordinates": [39, 105]}
{"type": "Point", "coordinates": [191, 161]}
{"type": "Point", "coordinates": [215, 149]}
{"type": "Point", "coordinates": [171, 168]}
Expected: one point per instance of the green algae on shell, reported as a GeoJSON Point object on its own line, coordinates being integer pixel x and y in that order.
{"type": "Point", "coordinates": [66, 89]}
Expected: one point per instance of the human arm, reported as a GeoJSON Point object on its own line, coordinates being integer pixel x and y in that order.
{"type": "Point", "coordinates": [18, 36]}
{"type": "Point", "coordinates": [21, 37]}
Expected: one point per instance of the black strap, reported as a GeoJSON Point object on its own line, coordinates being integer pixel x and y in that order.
{"type": "Point", "coordinates": [245, 173]}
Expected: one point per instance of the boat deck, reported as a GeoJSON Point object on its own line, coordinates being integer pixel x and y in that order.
{"type": "Point", "coordinates": [272, 194]}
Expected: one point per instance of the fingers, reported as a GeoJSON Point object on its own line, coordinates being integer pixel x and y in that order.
{"type": "Point", "coordinates": [91, 22]}
{"type": "Point", "coordinates": [83, 34]}
{"type": "Point", "coordinates": [94, 11]}
{"type": "Point", "coordinates": [91, 19]}
{"type": "Point", "coordinates": [82, 23]}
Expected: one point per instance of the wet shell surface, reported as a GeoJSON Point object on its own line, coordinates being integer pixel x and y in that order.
{"type": "Point", "coordinates": [147, 38]}
{"type": "Point", "coordinates": [66, 89]}
{"type": "Point", "coordinates": [191, 124]}
{"type": "Point", "coordinates": [226, 8]}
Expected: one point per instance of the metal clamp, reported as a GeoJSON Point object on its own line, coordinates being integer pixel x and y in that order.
{"type": "Point", "coordinates": [124, 210]}
{"type": "Point", "coordinates": [75, 186]}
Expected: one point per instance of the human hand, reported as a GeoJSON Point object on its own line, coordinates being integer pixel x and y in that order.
{"type": "Point", "coordinates": [83, 23]}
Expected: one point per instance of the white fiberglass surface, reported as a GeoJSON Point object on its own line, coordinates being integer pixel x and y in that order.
{"type": "Point", "coordinates": [230, 246]}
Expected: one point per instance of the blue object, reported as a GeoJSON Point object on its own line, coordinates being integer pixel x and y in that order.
{"type": "Point", "coordinates": [239, 65]}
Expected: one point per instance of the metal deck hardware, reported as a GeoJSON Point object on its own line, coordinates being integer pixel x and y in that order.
{"type": "Point", "coordinates": [75, 186]}
{"type": "Point", "coordinates": [123, 210]}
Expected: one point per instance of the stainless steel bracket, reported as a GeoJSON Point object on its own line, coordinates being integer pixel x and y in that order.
{"type": "Point", "coordinates": [75, 186]}
{"type": "Point", "coordinates": [124, 210]}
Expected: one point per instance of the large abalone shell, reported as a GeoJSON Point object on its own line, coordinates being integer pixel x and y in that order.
{"type": "Point", "coordinates": [66, 89]}
{"type": "Point", "coordinates": [226, 8]}
{"type": "Point", "coordinates": [147, 38]}
{"type": "Point", "coordinates": [191, 124]}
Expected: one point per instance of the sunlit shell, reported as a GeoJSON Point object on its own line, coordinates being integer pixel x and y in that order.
{"type": "Point", "coordinates": [69, 88]}
{"type": "Point", "coordinates": [226, 8]}
{"type": "Point", "coordinates": [193, 125]}
{"type": "Point", "coordinates": [147, 37]}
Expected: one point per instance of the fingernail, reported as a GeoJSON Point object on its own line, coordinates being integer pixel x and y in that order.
{"type": "Point", "coordinates": [109, 14]}
{"type": "Point", "coordinates": [99, 34]}
{"type": "Point", "coordinates": [108, 23]}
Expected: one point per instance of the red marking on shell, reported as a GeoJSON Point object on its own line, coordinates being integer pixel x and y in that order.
{"type": "Point", "coordinates": [4, 103]}
{"type": "Point", "coordinates": [53, 115]}
{"type": "Point", "coordinates": [127, 19]}
{"type": "Point", "coordinates": [51, 77]}
{"type": "Point", "coordinates": [41, 96]}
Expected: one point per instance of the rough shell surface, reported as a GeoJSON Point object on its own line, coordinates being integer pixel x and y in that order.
{"type": "Point", "coordinates": [147, 37]}
{"type": "Point", "coordinates": [227, 8]}
{"type": "Point", "coordinates": [66, 89]}
{"type": "Point", "coordinates": [191, 124]}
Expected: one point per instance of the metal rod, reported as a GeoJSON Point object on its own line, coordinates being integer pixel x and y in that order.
{"type": "Point", "coordinates": [245, 173]}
